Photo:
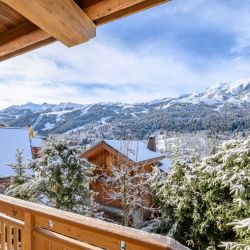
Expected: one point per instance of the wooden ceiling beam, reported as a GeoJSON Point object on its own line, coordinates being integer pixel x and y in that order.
{"type": "Point", "coordinates": [13, 52]}
{"type": "Point", "coordinates": [10, 16]}
{"type": "Point", "coordinates": [21, 43]}
{"type": "Point", "coordinates": [17, 31]}
{"type": "Point", "coordinates": [99, 11]}
{"type": "Point", "coordinates": [61, 19]}
{"type": "Point", "coordinates": [86, 3]}
{"type": "Point", "coordinates": [110, 10]}
{"type": "Point", "coordinates": [20, 39]}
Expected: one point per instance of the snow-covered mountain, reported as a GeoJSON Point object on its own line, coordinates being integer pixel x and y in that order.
{"type": "Point", "coordinates": [234, 92]}
{"type": "Point", "coordinates": [224, 107]}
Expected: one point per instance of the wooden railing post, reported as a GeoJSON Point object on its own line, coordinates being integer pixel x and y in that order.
{"type": "Point", "coordinates": [27, 238]}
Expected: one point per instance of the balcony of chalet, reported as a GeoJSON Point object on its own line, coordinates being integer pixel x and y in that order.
{"type": "Point", "coordinates": [27, 25]}
{"type": "Point", "coordinates": [25, 226]}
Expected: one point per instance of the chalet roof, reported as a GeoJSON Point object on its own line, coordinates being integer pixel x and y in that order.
{"type": "Point", "coordinates": [136, 151]}
{"type": "Point", "coordinates": [165, 165]}
{"type": "Point", "coordinates": [12, 139]}
{"type": "Point", "coordinates": [26, 25]}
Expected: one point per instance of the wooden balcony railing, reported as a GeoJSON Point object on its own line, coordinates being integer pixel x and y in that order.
{"type": "Point", "coordinates": [28, 226]}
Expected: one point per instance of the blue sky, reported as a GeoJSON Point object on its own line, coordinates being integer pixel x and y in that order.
{"type": "Point", "coordinates": [180, 47]}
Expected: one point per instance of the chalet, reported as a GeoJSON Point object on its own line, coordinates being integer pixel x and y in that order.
{"type": "Point", "coordinates": [135, 151]}
{"type": "Point", "coordinates": [36, 145]}
{"type": "Point", "coordinates": [110, 153]}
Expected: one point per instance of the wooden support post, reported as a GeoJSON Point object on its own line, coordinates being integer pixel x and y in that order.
{"type": "Point", "coordinates": [27, 238]}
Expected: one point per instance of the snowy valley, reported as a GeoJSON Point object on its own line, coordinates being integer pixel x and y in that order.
{"type": "Point", "coordinates": [223, 110]}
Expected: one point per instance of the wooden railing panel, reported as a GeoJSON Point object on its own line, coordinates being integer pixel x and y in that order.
{"type": "Point", "coordinates": [45, 228]}
{"type": "Point", "coordinates": [61, 241]}
{"type": "Point", "coordinates": [11, 231]}
{"type": "Point", "coordinates": [81, 234]}
{"type": "Point", "coordinates": [16, 237]}
{"type": "Point", "coordinates": [41, 242]}
{"type": "Point", "coordinates": [2, 235]}
{"type": "Point", "coordinates": [13, 212]}
{"type": "Point", "coordinates": [9, 236]}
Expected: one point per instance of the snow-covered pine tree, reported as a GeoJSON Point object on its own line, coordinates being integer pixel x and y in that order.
{"type": "Point", "coordinates": [127, 184]}
{"type": "Point", "coordinates": [62, 178]}
{"type": "Point", "coordinates": [16, 188]}
{"type": "Point", "coordinates": [201, 199]}
{"type": "Point", "coordinates": [242, 229]}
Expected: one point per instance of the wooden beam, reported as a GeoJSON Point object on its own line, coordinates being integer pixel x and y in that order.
{"type": "Point", "coordinates": [9, 16]}
{"type": "Point", "coordinates": [22, 42]}
{"type": "Point", "coordinates": [61, 19]}
{"type": "Point", "coordinates": [20, 39]}
{"type": "Point", "coordinates": [110, 10]}
{"type": "Point", "coordinates": [99, 11]}
{"type": "Point", "coordinates": [131, 10]}
{"type": "Point", "coordinates": [86, 3]}
{"type": "Point", "coordinates": [26, 48]}
{"type": "Point", "coordinates": [17, 31]}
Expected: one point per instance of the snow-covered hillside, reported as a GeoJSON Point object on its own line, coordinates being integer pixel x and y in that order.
{"type": "Point", "coordinates": [224, 107]}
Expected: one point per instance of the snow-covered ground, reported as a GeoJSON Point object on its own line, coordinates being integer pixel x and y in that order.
{"type": "Point", "coordinates": [184, 145]}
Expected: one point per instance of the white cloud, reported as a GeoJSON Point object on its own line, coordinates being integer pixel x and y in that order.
{"type": "Point", "coordinates": [50, 74]}
{"type": "Point", "coordinates": [56, 74]}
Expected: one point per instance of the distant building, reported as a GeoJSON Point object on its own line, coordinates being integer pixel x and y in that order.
{"type": "Point", "coordinates": [36, 145]}
{"type": "Point", "coordinates": [136, 152]}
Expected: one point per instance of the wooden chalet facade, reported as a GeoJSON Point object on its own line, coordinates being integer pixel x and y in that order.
{"type": "Point", "coordinates": [110, 154]}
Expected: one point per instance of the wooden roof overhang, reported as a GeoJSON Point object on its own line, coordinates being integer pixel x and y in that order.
{"type": "Point", "coordinates": [29, 24]}
{"type": "Point", "coordinates": [101, 146]}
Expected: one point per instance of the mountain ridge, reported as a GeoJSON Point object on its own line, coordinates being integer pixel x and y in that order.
{"type": "Point", "coordinates": [228, 102]}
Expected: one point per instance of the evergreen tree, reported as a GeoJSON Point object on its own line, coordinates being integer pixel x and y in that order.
{"type": "Point", "coordinates": [128, 185]}
{"type": "Point", "coordinates": [201, 199]}
{"type": "Point", "coordinates": [242, 229]}
{"type": "Point", "coordinates": [62, 178]}
{"type": "Point", "coordinates": [17, 186]}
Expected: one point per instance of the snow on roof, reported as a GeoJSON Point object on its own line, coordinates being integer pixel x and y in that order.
{"type": "Point", "coordinates": [165, 165]}
{"type": "Point", "coordinates": [12, 139]}
{"type": "Point", "coordinates": [36, 142]}
{"type": "Point", "coordinates": [136, 151]}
